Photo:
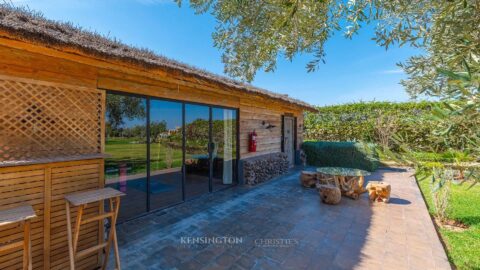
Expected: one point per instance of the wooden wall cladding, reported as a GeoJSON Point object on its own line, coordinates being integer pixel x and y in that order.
{"type": "Point", "coordinates": [43, 186]}
{"type": "Point", "coordinates": [46, 120]}
{"type": "Point", "coordinates": [252, 116]}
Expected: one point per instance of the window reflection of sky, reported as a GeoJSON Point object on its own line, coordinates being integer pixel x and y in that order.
{"type": "Point", "coordinates": [171, 112]}
{"type": "Point", "coordinates": [194, 112]}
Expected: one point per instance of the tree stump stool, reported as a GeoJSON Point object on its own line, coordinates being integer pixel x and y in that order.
{"type": "Point", "coordinates": [329, 194]}
{"type": "Point", "coordinates": [308, 179]}
{"type": "Point", "coordinates": [378, 191]}
{"type": "Point", "coordinates": [351, 186]}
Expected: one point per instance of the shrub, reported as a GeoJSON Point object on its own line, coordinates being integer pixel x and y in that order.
{"type": "Point", "coordinates": [448, 156]}
{"type": "Point", "coordinates": [378, 122]}
{"type": "Point", "coordinates": [341, 154]}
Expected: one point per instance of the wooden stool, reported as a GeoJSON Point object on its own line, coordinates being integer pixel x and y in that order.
{"type": "Point", "coordinates": [22, 215]}
{"type": "Point", "coordinates": [308, 179]}
{"type": "Point", "coordinates": [81, 200]}
{"type": "Point", "coordinates": [329, 194]}
{"type": "Point", "coordinates": [378, 191]}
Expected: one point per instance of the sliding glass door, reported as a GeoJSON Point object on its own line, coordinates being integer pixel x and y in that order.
{"type": "Point", "coordinates": [224, 155]}
{"type": "Point", "coordinates": [161, 152]}
{"type": "Point", "coordinates": [166, 156]}
{"type": "Point", "coordinates": [126, 145]}
{"type": "Point", "coordinates": [197, 157]}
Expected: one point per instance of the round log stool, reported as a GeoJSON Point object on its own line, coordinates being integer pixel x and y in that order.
{"type": "Point", "coordinates": [329, 194]}
{"type": "Point", "coordinates": [378, 191]}
{"type": "Point", "coordinates": [308, 179]}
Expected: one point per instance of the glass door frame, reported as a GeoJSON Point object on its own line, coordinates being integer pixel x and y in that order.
{"type": "Point", "coordinates": [183, 102]}
{"type": "Point", "coordinates": [210, 155]}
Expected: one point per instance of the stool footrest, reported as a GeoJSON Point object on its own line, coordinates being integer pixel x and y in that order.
{"type": "Point", "coordinates": [90, 250]}
{"type": "Point", "coordinates": [96, 218]}
{"type": "Point", "coordinates": [11, 246]}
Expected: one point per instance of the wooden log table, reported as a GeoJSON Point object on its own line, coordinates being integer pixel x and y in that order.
{"type": "Point", "coordinates": [350, 181]}
{"type": "Point", "coordinates": [308, 179]}
{"type": "Point", "coordinates": [21, 215]}
{"type": "Point", "coordinates": [80, 200]}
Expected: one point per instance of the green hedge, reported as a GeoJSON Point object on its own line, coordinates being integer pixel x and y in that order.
{"type": "Point", "coordinates": [341, 154]}
{"type": "Point", "coordinates": [372, 121]}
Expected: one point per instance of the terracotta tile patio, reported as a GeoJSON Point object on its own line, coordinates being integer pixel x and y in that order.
{"type": "Point", "coordinates": [280, 225]}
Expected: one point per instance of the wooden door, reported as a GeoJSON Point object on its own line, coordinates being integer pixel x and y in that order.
{"type": "Point", "coordinates": [289, 139]}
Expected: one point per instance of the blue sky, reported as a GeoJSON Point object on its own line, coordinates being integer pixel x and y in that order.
{"type": "Point", "coordinates": [356, 69]}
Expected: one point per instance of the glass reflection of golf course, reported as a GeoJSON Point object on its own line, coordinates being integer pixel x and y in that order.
{"type": "Point", "coordinates": [126, 146]}
{"type": "Point", "coordinates": [165, 149]}
{"type": "Point", "coordinates": [132, 153]}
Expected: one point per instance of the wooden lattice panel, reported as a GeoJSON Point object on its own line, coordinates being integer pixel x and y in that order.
{"type": "Point", "coordinates": [44, 120]}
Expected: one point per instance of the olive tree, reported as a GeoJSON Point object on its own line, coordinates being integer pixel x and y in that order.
{"type": "Point", "coordinates": [254, 34]}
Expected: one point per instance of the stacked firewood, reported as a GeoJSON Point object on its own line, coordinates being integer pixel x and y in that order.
{"type": "Point", "coordinates": [263, 168]}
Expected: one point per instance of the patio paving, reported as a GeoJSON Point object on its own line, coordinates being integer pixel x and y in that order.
{"type": "Point", "coordinates": [280, 225]}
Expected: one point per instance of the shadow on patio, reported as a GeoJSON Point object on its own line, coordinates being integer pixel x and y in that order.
{"type": "Point", "coordinates": [281, 225]}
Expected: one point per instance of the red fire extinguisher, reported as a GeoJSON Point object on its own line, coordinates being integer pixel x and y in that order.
{"type": "Point", "coordinates": [252, 141]}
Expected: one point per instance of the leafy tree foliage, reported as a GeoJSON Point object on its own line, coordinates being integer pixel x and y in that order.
{"type": "Point", "coordinates": [157, 128]}
{"type": "Point", "coordinates": [360, 122]}
{"type": "Point", "coordinates": [252, 34]}
{"type": "Point", "coordinates": [119, 107]}
{"type": "Point", "coordinates": [390, 125]}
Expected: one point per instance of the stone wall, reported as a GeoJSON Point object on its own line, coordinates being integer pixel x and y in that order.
{"type": "Point", "coordinates": [262, 168]}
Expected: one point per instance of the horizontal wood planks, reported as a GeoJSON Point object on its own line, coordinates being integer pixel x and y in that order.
{"type": "Point", "coordinates": [43, 187]}
{"type": "Point", "coordinates": [253, 112]}
{"type": "Point", "coordinates": [30, 61]}
{"type": "Point", "coordinates": [30, 65]}
{"type": "Point", "coordinates": [16, 189]}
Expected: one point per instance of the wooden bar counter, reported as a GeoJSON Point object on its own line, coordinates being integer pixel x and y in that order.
{"type": "Point", "coordinates": [43, 186]}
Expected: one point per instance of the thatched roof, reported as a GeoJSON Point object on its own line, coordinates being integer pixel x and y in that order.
{"type": "Point", "coordinates": [33, 27]}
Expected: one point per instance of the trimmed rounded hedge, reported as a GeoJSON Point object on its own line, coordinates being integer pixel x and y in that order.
{"type": "Point", "coordinates": [341, 154]}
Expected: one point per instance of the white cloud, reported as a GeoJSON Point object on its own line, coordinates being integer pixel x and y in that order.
{"type": "Point", "coordinates": [392, 71]}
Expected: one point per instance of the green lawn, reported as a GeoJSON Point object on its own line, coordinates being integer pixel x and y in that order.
{"type": "Point", "coordinates": [463, 248]}
{"type": "Point", "coordinates": [134, 154]}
